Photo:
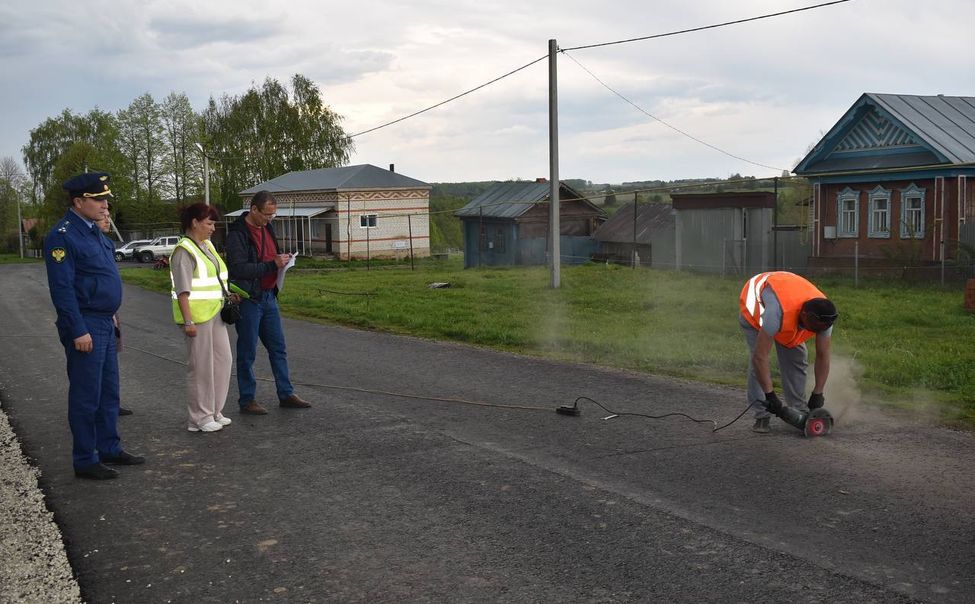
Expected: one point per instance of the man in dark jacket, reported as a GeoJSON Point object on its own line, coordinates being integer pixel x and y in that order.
{"type": "Point", "coordinates": [253, 263]}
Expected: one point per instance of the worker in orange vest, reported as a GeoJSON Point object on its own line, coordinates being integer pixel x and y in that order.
{"type": "Point", "coordinates": [784, 309]}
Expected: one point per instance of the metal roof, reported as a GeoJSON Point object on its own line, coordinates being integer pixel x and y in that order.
{"type": "Point", "coordinates": [650, 217]}
{"type": "Point", "coordinates": [286, 211]}
{"type": "Point", "coordinates": [364, 176]}
{"type": "Point", "coordinates": [512, 199]}
{"type": "Point", "coordinates": [939, 130]}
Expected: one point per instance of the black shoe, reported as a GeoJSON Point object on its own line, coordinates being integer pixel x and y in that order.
{"type": "Point", "coordinates": [96, 471]}
{"type": "Point", "coordinates": [123, 459]}
{"type": "Point", "coordinates": [761, 426]}
{"type": "Point", "coordinates": [124, 411]}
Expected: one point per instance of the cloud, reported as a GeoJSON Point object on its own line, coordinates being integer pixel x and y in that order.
{"type": "Point", "coordinates": [193, 31]}
{"type": "Point", "coordinates": [763, 90]}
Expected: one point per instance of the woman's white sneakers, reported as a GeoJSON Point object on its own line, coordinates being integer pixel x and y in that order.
{"type": "Point", "coordinates": [213, 426]}
{"type": "Point", "coordinates": [222, 420]}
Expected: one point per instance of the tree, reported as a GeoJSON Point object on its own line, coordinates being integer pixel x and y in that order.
{"type": "Point", "coordinates": [144, 145]}
{"type": "Point", "coordinates": [268, 131]}
{"type": "Point", "coordinates": [181, 126]}
{"type": "Point", "coordinates": [11, 189]}
{"type": "Point", "coordinates": [49, 141]}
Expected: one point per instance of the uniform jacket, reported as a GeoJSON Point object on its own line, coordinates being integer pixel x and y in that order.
{"type": "Point", "coordinates": [242, 258]}
{"type": "Point", "coordinates": [81, 274]}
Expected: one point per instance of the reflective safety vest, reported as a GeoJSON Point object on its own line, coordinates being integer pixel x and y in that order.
{"type": "Point", "coordinates": [792, 291]}
{"type": "Point", "coordinates": [206, 295]}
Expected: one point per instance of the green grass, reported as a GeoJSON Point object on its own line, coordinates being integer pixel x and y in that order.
{"type": "Point", "coordinates": [16, 259]}
{"type": "Point", "coordinates": [908, 343]}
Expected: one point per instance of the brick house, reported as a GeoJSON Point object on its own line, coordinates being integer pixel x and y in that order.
{"type": "Point", "coordinates": [893, 182]}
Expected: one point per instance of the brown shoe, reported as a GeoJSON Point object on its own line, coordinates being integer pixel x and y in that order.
{"type": "Point", "coordinates": [253, 408]}
{"type": "Point", "coordinates": [295, 402]}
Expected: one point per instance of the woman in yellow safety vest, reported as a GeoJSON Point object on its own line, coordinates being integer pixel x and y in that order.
{"type": "Point", "coordinates": [199, 278]}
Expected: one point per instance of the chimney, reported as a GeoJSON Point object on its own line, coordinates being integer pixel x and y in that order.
{"type": "Point", "coordinates": [541, 180]}
{"type": "Point", "coordinates": [392, 167]}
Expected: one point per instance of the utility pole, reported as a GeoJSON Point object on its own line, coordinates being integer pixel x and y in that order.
{"type": "Point", "coordinates": [553, 154]}
{"type": "Point", "coordinates": [20, 228]}
{"type": "Point", "coordinates": [206, 174]}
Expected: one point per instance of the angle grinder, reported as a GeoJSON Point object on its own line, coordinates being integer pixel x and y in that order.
{"type": "Point", "coordinates": [817, 422]}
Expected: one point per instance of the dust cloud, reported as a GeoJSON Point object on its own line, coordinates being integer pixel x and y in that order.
{"type": "Point", "coordinates": [842, 392]}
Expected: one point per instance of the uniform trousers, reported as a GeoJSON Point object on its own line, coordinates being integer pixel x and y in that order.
{"type": "Point", "coordinates": [208, 378]}
{"type": "Point", "coordinates": [793, 363]}
{"type": "Point", "coordinates": [93, 394]}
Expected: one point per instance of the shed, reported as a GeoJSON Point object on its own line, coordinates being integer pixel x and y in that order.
{"type": "Point", "coordinates": [641, 234]}
{"type": "Point", "coordinates": [509, 225]}
{"type": "Point", "coordinates": [349, 212]}
{"type": "Point", "coordinates": [723, 232]}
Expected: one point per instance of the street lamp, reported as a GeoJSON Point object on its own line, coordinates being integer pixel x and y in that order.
{"type": "Point", "coordinates": [206, 174]}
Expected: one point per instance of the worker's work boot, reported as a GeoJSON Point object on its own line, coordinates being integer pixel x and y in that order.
{"type": "Point", "coordinates": [761, 425]}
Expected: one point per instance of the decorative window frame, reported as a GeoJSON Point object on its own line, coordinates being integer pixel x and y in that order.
{"type": "Point", "coordinates": [878, 194]}
{"type": "Point", "coordinates": [844, 196]}
{"type": "Point", "coordinates": [912, 192]}
{"type": "Point", "coordinates": [368, 221]}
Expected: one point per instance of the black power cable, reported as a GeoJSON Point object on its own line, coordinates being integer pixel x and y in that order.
{"type": "Point", "coordinates": [574, 410]}
{"type": "Point", "coordinates": [563, 410]}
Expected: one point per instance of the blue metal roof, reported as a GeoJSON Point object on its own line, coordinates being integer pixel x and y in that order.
{"type": "Point", "coordinates": [885, 131]}
{"type": "Point", "coordinates": [512, 199]}
{"type": "Point", "coordinates": [364, 176]}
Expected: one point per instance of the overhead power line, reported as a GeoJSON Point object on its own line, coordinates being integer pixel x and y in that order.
{"type": "Point", "coordinates": [453, 98]}
{"type": "Point", "coordinates": [543, 57]}
{"type": "Point", "coordinates": [704, 27]}
{"type": "Point", "coordinates": [672, 127]}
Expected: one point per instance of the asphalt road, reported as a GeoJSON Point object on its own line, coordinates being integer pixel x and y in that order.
{"type": "Point", "coordinates": [370, 497]}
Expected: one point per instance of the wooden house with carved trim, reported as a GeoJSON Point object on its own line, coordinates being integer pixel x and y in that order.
{"type": "Point", "coordinates": [893, 181]}
{"type": "Point", "coordinates": [349, 212]}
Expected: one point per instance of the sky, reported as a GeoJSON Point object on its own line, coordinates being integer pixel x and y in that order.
{"type": "Point", "coordinates": [764, 91]}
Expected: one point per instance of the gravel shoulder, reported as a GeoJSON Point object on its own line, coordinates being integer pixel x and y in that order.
{"type": "Point", "coordinates": [35, 567]}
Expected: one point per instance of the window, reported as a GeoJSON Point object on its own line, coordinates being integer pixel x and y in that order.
{"type": "Point", "coordinates": [912, 212]}
{"type": "Point", "coordinates": [879, 223]}
{"type": "Point", "coordinates": [367, 221]}
{"type": "Point", "coordinates": [848, 213]}
{"type": "Point", "coordinates": [499, 240]}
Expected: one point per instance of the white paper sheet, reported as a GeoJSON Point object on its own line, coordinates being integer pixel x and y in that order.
{"type": "Point", "coordinates": [283, 270]}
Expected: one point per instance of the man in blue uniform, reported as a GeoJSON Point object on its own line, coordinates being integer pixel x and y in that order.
{"type": "Point", "coordinates": [86, 290]}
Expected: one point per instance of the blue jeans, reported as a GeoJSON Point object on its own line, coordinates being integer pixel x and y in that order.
{"type": "Point", "coordinates": [261, 318]}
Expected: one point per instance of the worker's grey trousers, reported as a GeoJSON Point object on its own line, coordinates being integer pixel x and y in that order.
{"type": "Point", "coordinates": [792, 368]}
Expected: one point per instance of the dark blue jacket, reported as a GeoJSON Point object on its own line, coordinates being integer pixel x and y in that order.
{"type": "Point", "coordinates": [81, 274]}
{"type": "Point", "coordinates": [243, 267]}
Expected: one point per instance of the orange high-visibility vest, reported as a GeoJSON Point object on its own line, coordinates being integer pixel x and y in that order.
{"type": "Point", "coordinates": [792, 291]}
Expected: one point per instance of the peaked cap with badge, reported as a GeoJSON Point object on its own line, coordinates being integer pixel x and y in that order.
{"type": "Point", "coordinates": [90, 185]}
